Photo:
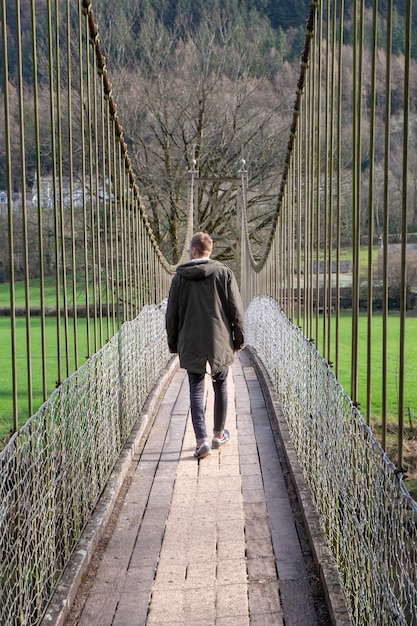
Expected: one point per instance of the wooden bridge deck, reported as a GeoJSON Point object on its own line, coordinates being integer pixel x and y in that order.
{"type": "Point", "coordinates": [218, 541]}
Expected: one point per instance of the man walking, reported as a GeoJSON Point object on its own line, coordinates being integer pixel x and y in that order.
{"type": "Point", "coordinates": [205, 324]}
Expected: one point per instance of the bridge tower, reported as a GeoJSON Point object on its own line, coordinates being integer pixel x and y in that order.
{"type": "Point", "coordinates": [195, 183]}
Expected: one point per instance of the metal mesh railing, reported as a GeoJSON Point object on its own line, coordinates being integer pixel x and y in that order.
{"type": "Point", "coordinates": [54, 469]}
{"type": "Point", "coordinates": [368, 516]}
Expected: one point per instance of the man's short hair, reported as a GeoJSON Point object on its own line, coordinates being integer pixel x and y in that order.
{"type": "Point", "coordinates": [203, 243]}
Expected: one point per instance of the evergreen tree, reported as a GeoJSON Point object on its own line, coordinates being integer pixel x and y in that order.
{"type": "Point", "coordinates": [287, 14]}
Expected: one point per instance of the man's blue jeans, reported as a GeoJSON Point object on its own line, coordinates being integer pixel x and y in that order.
{"type": "Point", "coordinates": [197, 402]}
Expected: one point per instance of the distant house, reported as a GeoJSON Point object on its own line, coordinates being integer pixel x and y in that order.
{"type": "Point", "coordinates": [16, 202]}
{"type": "Point", "coordinates": [3, 201]}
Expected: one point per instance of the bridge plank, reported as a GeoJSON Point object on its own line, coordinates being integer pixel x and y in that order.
{"type": "Point", "coordinates": [296, 597]}
{"type": "Point", "coordinates": [211, 541]}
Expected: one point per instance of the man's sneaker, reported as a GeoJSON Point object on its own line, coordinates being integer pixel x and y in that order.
{"type": "Point", "coordinates": [202, 450]}
{"type": "Point", "coordinates": [216, 443]}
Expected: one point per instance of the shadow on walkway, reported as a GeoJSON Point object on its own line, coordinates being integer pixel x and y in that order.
{"type": "Point", "coordinates": [219, 541]}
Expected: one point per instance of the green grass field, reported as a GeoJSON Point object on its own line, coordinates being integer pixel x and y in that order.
{"type": "Point", "coordinates": [6, 402]}
{"type": "Point", "coordinates": [6, 394]}
{"type": "Point", "coordinates": [34, 291]}
{"type": "Point", "coordinates": [393, 350]}
{"type": "Point", "coordinates": [344, 363]}
{"type": "Point", "coordinates": [345, 339]}
{"type": "Point", "coordinates": [19, 295]}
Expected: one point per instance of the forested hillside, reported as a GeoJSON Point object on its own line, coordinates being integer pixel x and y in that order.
{"type": "Point", "coordinates": [216, 80]}
{"type": "Point", "coordinates": [281, 14]}
{"type": "Point", "coordinates": [278, 17]}
{"type": "Point", "coordinates": [207, 80]}
{"type": "Point", "coordinates": [212, 81]}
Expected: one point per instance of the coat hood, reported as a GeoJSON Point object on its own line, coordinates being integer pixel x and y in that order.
{"type": "Point", "coordinates": [198, 269]}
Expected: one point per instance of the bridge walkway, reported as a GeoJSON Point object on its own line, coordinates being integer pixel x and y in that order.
{"type": "Point", "coordinates": [217, 541]}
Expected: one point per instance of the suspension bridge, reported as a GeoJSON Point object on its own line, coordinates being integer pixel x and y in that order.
{"type": "Point", "coordinates": [105, 517]}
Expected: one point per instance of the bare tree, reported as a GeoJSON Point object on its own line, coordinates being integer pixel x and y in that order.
{"type": "Point", "coordinates": [196, 95]}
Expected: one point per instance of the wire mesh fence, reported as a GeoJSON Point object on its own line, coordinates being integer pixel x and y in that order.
{"type": "Point", "coordinates": [367, 513]}
{"type": "Point", "coordinates": [54, 469]}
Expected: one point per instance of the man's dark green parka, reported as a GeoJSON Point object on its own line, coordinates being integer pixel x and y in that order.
{"type": "Point", "coordinates": [205, 316]}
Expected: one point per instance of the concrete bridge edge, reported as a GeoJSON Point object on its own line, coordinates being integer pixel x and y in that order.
{"type": "Point", "coordinates": [326, 567]}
